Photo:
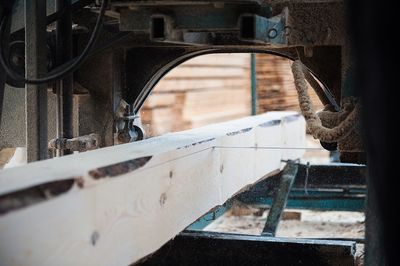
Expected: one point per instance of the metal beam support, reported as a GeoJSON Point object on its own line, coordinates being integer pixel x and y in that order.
{"type": "Point", "coordinates": [253, 84]}
{"type": "Point", "coordinates": [259, 29]}
{"type": "Point", "coordinates": [18, 12]}
{"type": "Point", "coordinates": [64, 86]}
{"type": "Point", "coordinates": [35, 67]}
{"type": "Point", "coordinates": [280, 198]}
{"type": "Point", "coordinates": [162, 30]}
{"type": "Point", "coordinates": [191, 17]}
{"type": "Point", "coordinates": [325, 187]}
{"type": "Point", "coordinates": [343, 176]}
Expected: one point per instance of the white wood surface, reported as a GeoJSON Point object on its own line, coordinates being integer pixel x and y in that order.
{"type": "Point", "coordinates": [118, 220]}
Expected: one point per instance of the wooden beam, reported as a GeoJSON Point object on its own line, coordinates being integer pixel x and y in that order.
{"type": "Point", "coordinates": [116, 205]}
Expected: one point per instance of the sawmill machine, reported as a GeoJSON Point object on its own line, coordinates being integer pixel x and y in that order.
{"type": "Point", "coordinates": [93, 65]}
{"type": "Point", "coordinates": [74, 74]}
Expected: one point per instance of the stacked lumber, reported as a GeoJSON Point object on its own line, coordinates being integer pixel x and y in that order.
{"type": "Point", "coordinates": [215, 88]}
{"type": "Point", "coordinates": [204, 90]}
{"type": "Point", "coordinates": [275, 85]}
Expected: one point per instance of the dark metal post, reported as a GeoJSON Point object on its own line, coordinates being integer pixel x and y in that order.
{"type": "Point", "coordinates": [3, 75]}
{"type": "Point", "coordinates": [35, 67]}
{"type": "Point", "coordinates": [2, 90]}
{"type": "Point", "coordinates": [65, 86]}
{"type": "Point", "coordinates": [253, 85]}
{"type": "Point", "coordinates": [280, 198]}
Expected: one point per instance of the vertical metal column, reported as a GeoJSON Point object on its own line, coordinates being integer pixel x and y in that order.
{"type": "Point", "coordinates": [3, 75]}
{"type": "Point", "coordinates": [2, 90]}
{"type": "Point", "coordinates": [280, 198]}
{"type": "Point", "coordinates": [35, 67]}
{"type": "Point", "coordinates": [253, 85]}
{"type": "Point", "coordinates": [64, 86]}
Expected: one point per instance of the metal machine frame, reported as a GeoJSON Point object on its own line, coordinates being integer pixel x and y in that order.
{"type": "Point", "coordinates": [143, 40]}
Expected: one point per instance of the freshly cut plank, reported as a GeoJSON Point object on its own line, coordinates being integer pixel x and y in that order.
{"type": "Point", "coordinates": [116, 205]}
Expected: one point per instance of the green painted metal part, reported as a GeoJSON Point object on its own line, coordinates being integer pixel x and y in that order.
{"type": "Point", "coordinates": [319, 200]}
{"type": "Point", "coordinates": [260, 29]}
{"type": "Point", "coordinates": [209, 217]}
{"type": "Point", "coordinates": [331, 187]}
{"type": "Point", "coordinates": [310, 200]}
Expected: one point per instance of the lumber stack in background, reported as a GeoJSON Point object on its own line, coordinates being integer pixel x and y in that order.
{"type": "Point", "coordinates": [217, 87]}
{"type": "Point", "coordinates": [204, 90]}
{"type": "Point", "coordinates": [275, 85]}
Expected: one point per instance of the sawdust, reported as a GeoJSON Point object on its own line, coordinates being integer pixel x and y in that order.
{"type": "Point", "coordinates": [312, 224]}
{"type": "Point", "coordinates": [309, 224]}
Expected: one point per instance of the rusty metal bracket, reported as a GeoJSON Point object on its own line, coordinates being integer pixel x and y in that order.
{"type": "Point", "coordinates": [81, 143]}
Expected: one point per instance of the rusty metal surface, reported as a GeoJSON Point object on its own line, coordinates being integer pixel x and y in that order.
{"type": "Point", "coordinates": [281, 195]}
{"type": "Point", "coordinates": [309, 23]}
{"type": "Point", "coordinates": [81, 143]}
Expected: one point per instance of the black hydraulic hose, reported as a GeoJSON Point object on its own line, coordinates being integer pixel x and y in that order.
{"type": "Point", "coordinates": [66, 68]}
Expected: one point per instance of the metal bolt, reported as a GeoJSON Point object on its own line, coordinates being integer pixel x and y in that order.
{"type": "Point", "coordinates": [272, 33]}
{"type": "Point", "coordinates": [170, 174]}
